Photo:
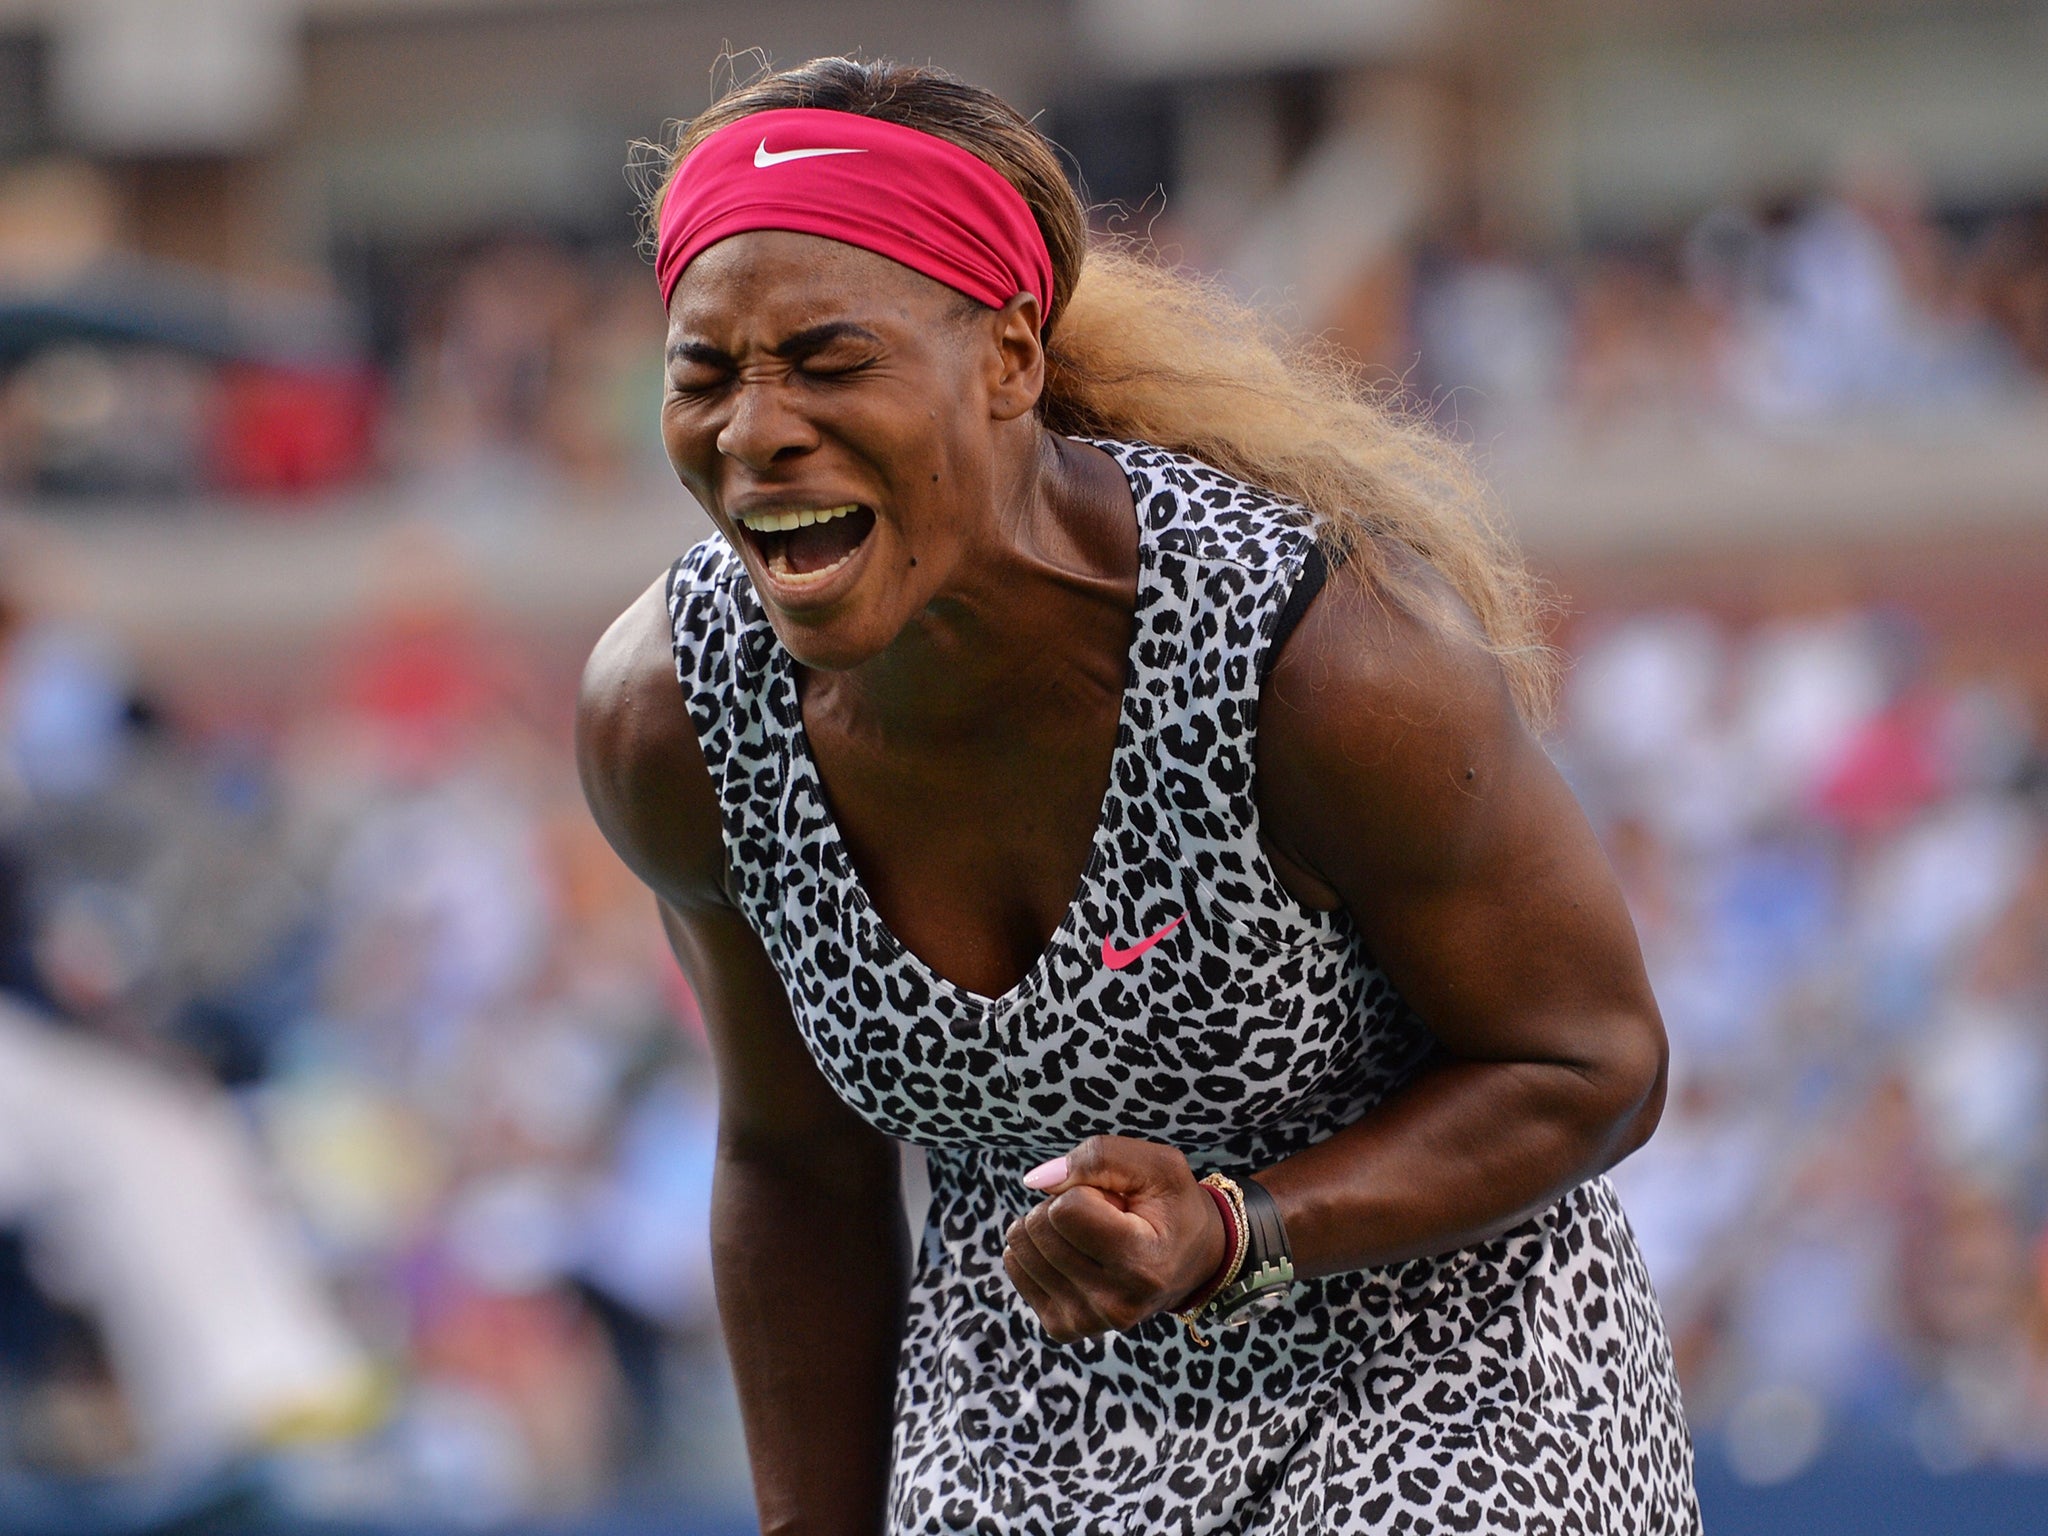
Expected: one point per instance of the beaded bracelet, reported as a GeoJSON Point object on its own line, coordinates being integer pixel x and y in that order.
{"type": "Point", "coordinates": [1237, 1230]}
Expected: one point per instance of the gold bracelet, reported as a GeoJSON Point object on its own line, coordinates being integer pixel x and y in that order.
{"type": "Point", "coordinates": [1238, 1248]}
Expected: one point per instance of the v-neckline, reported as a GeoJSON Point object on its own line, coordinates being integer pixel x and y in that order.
{"type": "Point", "coordinates": [1128, 741]}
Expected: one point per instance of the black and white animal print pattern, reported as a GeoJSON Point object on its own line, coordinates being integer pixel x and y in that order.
{"type": "Point", "coordinates": [1524, 1385]}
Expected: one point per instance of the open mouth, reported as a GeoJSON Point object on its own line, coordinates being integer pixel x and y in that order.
{"type": "Point", "coordinates": [807, 544]}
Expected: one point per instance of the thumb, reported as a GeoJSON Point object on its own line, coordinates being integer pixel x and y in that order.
{"type": "Point", "coordinates": [1117, 1164]}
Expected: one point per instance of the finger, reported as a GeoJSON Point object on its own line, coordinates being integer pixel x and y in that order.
{"type": "Point", "coordinates": [1092, 1223]}
{"type": "Point", "coordinates": [1050, 1175]}
{"type": "Point", "coordinates": [1067, 1311]}
{"type": "Point", "coordinates": [1082, 1268]}
{"type": "Point", "coordinates": [1055, 1307]}
{"type": "Point", "coordinates": [1097, 1160]}
{"type": "Point", "coordinates": [1024, 1252]}
{"type": "Point", "coordinates": [1034, 1293]}
{"type": "Point", "coordinates": [1122, 1165]}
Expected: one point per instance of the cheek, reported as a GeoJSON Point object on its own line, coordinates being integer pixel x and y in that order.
{"type": "Point", "coordinates": [690, 442]}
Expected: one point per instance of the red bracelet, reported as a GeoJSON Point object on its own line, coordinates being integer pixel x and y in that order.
{"type": "Point", "coordinates": [1225, 1271]}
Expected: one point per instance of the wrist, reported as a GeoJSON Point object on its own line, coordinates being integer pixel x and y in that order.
{"type": "Point", "coordinates": [1229, 1203]}
{"type": "Point", "coordinates": [1260, 1270]}
{"type": "Point", "coordinates": [1265, 1274]}
{"type": "Point", "coordinates": [1219, 1245]}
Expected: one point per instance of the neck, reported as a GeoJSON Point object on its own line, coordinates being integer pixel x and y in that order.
{"type": "Point", "coordinates": [1035, 624]}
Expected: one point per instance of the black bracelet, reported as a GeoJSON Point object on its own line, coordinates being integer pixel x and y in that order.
{"type": "Point", "coordinates": [1269, 1233]}
{"type": "Point", "coordinates": [1267, 1273]}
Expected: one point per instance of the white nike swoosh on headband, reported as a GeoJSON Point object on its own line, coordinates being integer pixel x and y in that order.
{"type": "Point", "coordinates": [764, 157]}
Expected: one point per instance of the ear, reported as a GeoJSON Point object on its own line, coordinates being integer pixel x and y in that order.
{"type": "Point", "coordinates": [1018, 364]}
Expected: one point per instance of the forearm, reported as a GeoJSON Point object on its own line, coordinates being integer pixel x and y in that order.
{"type": "Point", "coordinates": [811, 1275]}
{"type": "Point", "coordinates": [1466, 1151]}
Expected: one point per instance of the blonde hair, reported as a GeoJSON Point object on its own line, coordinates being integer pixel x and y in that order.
{"type": "Point", "coordinates": [1136, 349]}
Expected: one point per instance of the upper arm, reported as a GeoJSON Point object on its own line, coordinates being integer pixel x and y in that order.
{"type": "Point", "coordinates": [643, 771]}
{"type": "Point", "coordinates": [1394, 769]}
{"type": "Point", "coordinates": [645, 778]}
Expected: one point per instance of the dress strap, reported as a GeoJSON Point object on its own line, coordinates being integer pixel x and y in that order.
{"type": "Point", "coordinates": [1315, 570]}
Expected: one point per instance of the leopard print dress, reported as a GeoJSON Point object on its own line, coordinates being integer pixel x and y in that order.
{"type": "Point", "coordinates": [1522, 1385]}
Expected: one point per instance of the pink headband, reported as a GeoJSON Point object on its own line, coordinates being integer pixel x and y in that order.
{"type": "Point", "coordinates": [906, 195]}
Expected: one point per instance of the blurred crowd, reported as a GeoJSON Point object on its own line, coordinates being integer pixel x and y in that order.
{"type": "Point", "coordinates": [352, 1118]}
{"type": "Point", "coordinates": [507, 368]}
{"type": "Point", "coordinates": [1835, 847]}
{"type": "Point", "coordinates": [497, 370]}
{"type": "Point", "coordinates": [525, 356]}
{"type": "Point", "coordinates": [1776, 314]}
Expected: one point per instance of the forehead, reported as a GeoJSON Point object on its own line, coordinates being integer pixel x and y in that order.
{"type": "Point", "coordinates": [777, 280]}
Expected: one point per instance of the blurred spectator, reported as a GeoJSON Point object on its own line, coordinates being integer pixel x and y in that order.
{"type": "Point", "coordinates": [531, 357]}
{"type": "Point", "coordinates": [2010, 281]}
{"type": "Point", "coordinates": [380, 934]}
{"type": "Point", "coordinates": [1808, 308]}
{"type": "Point", "coordinates": [1853, 302]}
{"type": "Point", "coordinates": [1493, 328]}
{"type": "Point", "coordinates": [1840, 875]}
{"type": "Point", "coordinates": [143, 1203]}
{"type": "Point", "coordinates": [120, 376]}
{"type": "Point", "coordinates": [487, 360]}
{"type": "Point", "coordinates": [1644, 345]}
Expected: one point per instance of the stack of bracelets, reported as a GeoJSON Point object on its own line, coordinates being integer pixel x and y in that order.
{"type": "Point", "coordinates": [1257, 1270]}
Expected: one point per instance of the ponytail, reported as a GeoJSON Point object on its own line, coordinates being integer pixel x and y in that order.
{"type": "Point", "coordinates": [1153, 354]}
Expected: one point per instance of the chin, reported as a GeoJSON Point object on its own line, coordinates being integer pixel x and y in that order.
{"type": "Point", "coordinates": [832, 646]}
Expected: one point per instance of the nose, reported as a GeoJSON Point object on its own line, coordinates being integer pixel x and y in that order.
{"type": "Point", "coordinates": [763, 428]}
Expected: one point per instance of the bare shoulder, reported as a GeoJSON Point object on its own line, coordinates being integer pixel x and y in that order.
{"type": "Point", "coordinates": [1389, 742]}
{"type": "Point", "coordinates": [643, 771]}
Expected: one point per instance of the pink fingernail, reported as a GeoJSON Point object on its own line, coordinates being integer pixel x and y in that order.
{"type": "Point", "coordinates": [1045, 1175]}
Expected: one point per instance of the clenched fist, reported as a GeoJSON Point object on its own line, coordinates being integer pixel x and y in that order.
{"type": "Point", "coordinates": [1124, 1232]}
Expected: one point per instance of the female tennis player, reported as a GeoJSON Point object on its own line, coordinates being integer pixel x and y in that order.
{"type": "Point", "coordinates": [1102, 757]}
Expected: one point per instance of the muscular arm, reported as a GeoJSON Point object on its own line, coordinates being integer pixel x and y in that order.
{"type": "Point", "coordinates": [808, 1245]}
{"type": "Point", "coordinates": [1397, 780]}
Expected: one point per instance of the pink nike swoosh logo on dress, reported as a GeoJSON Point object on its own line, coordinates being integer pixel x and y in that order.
{"type": "Point", "coordinates": [1116, 959]}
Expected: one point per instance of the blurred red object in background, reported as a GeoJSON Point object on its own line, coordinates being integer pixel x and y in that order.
{"type": "Point", "coordinates": [284, 430]}
{"type": "Point", "coordinates": [1889, 771]}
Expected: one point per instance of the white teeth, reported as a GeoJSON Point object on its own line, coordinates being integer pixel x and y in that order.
{"type": "Point", "coordinates": [777, 555]}
{"type": "Point", "coordinates": [778, 567]}
{"type": "Point", "coordinates": [784, 522]}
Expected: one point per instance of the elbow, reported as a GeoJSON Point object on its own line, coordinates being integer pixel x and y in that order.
{"type": "Point", "coordinates": [852, 1165]}
{"type": "Point", "coordinates": [1633, 1083]}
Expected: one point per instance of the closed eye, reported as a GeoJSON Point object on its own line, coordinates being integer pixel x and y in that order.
{"type": "Point", "coordinates": [835, 367]}
{"type": "Point", "coordinates": [824, 353]}
{"type": "Point", "coordinates": [697, 370]}
{"type": "Point", "coordinates": [695, 385]}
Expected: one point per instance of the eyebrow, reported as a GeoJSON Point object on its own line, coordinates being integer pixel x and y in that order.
{"type": "Point", "coordinates": [798, 345]}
